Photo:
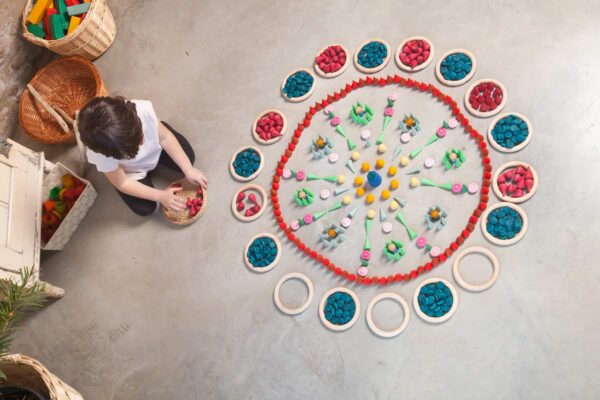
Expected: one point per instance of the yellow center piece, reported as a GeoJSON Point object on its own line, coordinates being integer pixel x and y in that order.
{"type": "Point", "coordinates": [332, 233]}
{"type": "Point", "coordinates": [409, 122]}
{"type": "Point", "coordinates": [434, 214]}
{"type": "Point", "coordinates": [320, 142]}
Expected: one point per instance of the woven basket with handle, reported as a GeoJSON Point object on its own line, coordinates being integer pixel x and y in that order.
{"type": "Point", "coordinates": [90, 39]}
{"type": "Point", "coordinates": [28, 373]}
{"type": "Point", "coordinates": [69, 83]}
{"type": "Point", "coordinates": [182, 217]}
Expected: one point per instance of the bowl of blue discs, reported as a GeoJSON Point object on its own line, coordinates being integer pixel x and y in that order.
{"type": "Point", "coordinates": [435, 300]}
{"type": "Point", "coordinates": [262, 253]}
{"type": "Point", "coordinates": [298, 85]}
{"type": "Point", "coordinates": [504, 223]}
{"type": "Point", "coordinates": [339, 309]}
{"type": "Point", "coordinates": [372, 56]}
{"type": "Point", "coordinates": [247, 162]}
{"type": "Point", "coordinates": [456, 67]}
{"type": "Point", "coordinates": [510, 132]}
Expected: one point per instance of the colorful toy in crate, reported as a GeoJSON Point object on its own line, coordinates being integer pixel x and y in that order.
{"type": "Point", "coordinates": [60, 201]}
{"type": "Point", "coordinates": [54, 19]}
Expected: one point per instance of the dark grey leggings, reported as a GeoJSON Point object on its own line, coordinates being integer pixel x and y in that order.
{"type": "Point", "coordinates": [145, 207]}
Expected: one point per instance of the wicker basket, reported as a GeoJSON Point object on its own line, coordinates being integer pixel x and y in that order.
{"type": "Point", "coordinates": [28, 373]}
{"type": "Point", "coordinates": [69, 83]}
{"type": "Point", "coordinates": [76, 214]}
{"type": "Point", "coordinates": [182, 217]}
{"type": "Point", "coordinates": [90, 39]}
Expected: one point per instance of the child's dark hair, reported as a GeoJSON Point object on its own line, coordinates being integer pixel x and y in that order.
{"type": "Point", "coordinates": [111, 126]}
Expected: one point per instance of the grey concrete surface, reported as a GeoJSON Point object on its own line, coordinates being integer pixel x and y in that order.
{"type": "Point", "coordinates": [161, 313]}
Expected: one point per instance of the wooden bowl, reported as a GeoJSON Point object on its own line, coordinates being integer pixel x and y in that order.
{"type": "Point", "coordinates": [189, 191]}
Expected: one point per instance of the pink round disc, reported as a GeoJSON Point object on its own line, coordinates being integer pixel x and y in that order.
{"type": "Point", "coordinates": [429, 162]}
{"type": "Point", "coordinates": [346, 222]}
{"type": "Point", "coordinates": [325, 194]}
{"type": "Point", "coordinates": [365, 134]}
{"type": "Point", "coordinates": [435, 251]}
{"type": "Point", "coordinates": [333, 158]}
{"type": "Point", "coordinates": [405, 137]}
{"type": "Point", "coordinates": [295, 225]}
{"type": "Point", "coordinates": [287, 174]}
{"type": "Point", "coordinates": [386, 227]}
{"type": "Point", "coordinates": [473, 188]}
{"type": "Point", "coordinates": [452, 123]}
{"type": "Point", "coordinates": [362, 271]}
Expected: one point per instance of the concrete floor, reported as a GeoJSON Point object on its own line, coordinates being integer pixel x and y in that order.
{"type": "Point", "coordinates": [156, 312]}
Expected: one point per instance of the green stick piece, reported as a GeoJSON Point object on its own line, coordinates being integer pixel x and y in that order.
{"type": "Point", "coordinates": [400, 201]}
{"type": "Point", "coordinates": [312, 177]}
{"type": "Point", "coordinates": [339, 191]}
{"type": "Point", "coordinates": [319, 214]}
{"type": "Point", "coordinates": [396, 152]}
{"type": "Point", "coordinates": [413, 171]}
{"type": "Point", "coordinates": [411, 233]}
{"type": "Point", "coordinates": [352, 213]}
{"type": "Point", "coordinates": [382, 215]}
{"type": "Point", "coordinates": [331, 178]}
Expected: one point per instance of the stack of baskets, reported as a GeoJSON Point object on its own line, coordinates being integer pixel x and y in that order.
{"type": "Point", "coordinates": [90, 39]}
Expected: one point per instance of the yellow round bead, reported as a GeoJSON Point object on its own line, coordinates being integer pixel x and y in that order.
{"type": "Point", "coordinates": [392, 170]}
{"type": "Point", "coordinates": [394, 205]}
{"type": "Point", "coordinates": [414, 182]}
{"type": "Point", "coordinates": [358, 180]}
{"type": "Point", "coordinates": [355, 155]}
{"type": "Point", "coordinates": [370, 198]}
{"type": "Point", "coordinates": [404, 161]}
{"type": "Point", "coordinates": [341, 179]}
{"type": "Point", "coordinates": [379, 163]}
{"type": "Point", "coordinates": [385, 194]}
{"type": "Point", "coordinates": [371, 214]}
{"type": "Point", "coordinates": [347, 200]}
{"type": "Point", "coordinates": [360, 191]}
{"type": "Point", "coordinates": [394, 184]}
{"type": "Point", "coordinates": [365, 167]}
{"type": "Point", "coordinates": [382, 148]}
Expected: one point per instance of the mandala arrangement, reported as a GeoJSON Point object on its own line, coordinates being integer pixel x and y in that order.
{"type": "Point", "coordinates": [348, 205]}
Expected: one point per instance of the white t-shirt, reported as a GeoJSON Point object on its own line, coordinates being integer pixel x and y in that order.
{"type": "Point", "coordinates": [148, 154]}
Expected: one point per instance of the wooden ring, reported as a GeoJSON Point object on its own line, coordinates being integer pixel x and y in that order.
{"type": "Point", "coordinates": [340, 71]}
{"type": "Point", "coordinates": [304, 96]}
{"type": "Point", "coordinates": [272, 140]}
{"type": "Point", "coordinates": [476, 250]}
{"type": "Point", "coordinates": [396, 331]}
{"type": "Point", "coordinates": [486, 114]}
{"type": "Point", "coordinates": [262, 193]}
{"type": "Point", "coordinates": [255, 173]}
{"type": "Point", "coordinates": [497, 146]}
{"type": "Point", "coordinates": [509, 199]}
{"type": "Point", "coordinates": [304, 306]}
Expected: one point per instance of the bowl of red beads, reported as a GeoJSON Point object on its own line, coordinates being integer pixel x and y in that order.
{"type": "Point", "coordinates": [195, 203]}
{"type": "Point", "coordinates": [485, 98]}
{"type": "Point", "coordinates": [331, 61]}
{"type": "Point", "coordinates": [414, 54]}
{"type": "Point", "coordinates": [269, 126]}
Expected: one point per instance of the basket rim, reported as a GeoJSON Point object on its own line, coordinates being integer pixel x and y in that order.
{"type": "Point", "coordinates": [75, 59]}
{"type": "Point", "coordinates": [46, 43]}
{"type": "Point", "coordinates": [188, 221]}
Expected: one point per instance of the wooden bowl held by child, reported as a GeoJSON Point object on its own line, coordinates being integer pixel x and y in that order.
{"type": "Point", "coordinates": [196, 201]}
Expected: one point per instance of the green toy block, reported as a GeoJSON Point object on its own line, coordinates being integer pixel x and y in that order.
{"type": "Point", "coordinates": [56, 26]}
{"type": "Point", "coordinates": [78, 9]}
{"type": "Point", "coordinates": [36, 31]}
{"type": "Point", "coordinates": [61, 8]}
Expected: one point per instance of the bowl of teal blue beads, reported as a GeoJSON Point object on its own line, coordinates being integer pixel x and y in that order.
{"type": "Point", "coordinates": [504, 223]}
{"type": "Point", "coordinates": [510, 132]}
{"type": "Point", "coordinates": [435, 300]}
{"type": "Point", "coordinates": [262, 253]}
{"type": "Point", "coordinates": [372, 56]}
{"type": "Point", "coordinates": [298, 85]}
{"type": "Point", "coordinates": [456, 67]}
{"type": "Point", "coordinates": [339, 309]}
{"type": "Point", "coordinates": [247, 162]}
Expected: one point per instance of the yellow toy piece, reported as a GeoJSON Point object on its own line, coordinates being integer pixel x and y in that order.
{"type": "Point", "coordinates": [365, 167]}
{"type": "Point", "coordinates": [394, 205]}
{"type": "Point", "coordinates": [392, 171]}
{"type": "Point", "coordinates": [358, 180]}
{"type": "Point", "coordinates": [370, 198]}
{"type": "Point", "coordinates": [371, 214]}
{"type": "Point", "coordinates": [385, 194]}
{"type": "Point", "coordinates": [404, 161]}
{"type": "Point", "coordinates": [346, 200]}
{"type": "Point", "coordinates": [37, 13]}
{"type": "Point", "coordinates": [379, 163]}
{"type": "Point", "coordinates": [355, 155]}
{"type": "Point", "coordinates": [382, 148]}
{"type": "Point", "coordinates": [341, 179]}
{"type": "Point", "coordinates": [414, 182]}
{"type": "Point", "coordinates": [394, 184]}
{"type": "Point", "coordinates": [360, 192]}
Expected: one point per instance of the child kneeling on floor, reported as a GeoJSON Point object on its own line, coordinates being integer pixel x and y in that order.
{"type": "Point", "coordinates": [127, 142]}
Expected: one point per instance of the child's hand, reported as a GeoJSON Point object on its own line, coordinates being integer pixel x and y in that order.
{"type": "Point", "coordinates": [196, 177]}
{"type": "Point", "coordinates": [169, 199]}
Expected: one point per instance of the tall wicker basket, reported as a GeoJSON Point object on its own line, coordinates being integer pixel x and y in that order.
{"type": "Point", "coordinates": [28, 373]}
{"type": "Point", "coordinates": [69, 83]}
{"type": "Point", "coordinates": [90, 39]}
